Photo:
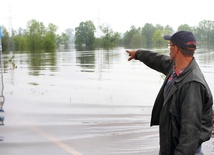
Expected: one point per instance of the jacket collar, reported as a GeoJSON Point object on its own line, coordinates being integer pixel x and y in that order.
{"type": "Point", "coordinates": [184, 73]}
{"type": "Point", "coordinates": [187, 70]}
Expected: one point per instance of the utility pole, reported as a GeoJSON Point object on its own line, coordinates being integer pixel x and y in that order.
{"type": "Point", "coordinates": [2, 99]}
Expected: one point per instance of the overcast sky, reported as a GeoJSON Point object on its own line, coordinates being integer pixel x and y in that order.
{"type": "Point", "coordinates": [120, 15]}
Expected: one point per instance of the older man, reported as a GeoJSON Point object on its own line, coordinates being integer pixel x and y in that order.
{"type": "Point", "coordinates": [183, 107]}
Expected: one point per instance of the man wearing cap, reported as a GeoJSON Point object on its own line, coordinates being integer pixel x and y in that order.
{"type": "Point", "coordinates": [183, 107]}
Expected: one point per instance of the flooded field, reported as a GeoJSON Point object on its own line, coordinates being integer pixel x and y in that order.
{"type": "Point", "coordinates": [83, 103]}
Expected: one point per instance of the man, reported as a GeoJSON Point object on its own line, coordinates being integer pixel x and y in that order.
{"type": "Point", "coordinates": [183, 107]}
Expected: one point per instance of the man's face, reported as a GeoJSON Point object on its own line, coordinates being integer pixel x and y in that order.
{"type": "Point", "coordinates": [172, 50]}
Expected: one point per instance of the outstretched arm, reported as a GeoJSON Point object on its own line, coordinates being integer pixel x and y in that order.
{"type": "Point", "coordinates": [154, 60]}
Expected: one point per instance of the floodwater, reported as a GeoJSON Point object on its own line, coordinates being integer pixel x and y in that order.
{"type": "Point", "coordinates": [83, 103]}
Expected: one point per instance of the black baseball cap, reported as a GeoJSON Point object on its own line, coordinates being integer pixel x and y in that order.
{"type": "Point", "coordinates": [183, 39]}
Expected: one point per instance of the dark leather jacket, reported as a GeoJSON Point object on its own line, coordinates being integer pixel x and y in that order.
{"type": "Point", "coordinates": [184, 116]}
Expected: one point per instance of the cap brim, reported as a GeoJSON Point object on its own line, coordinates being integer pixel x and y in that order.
{"type": "Point", "coordinates": [167, 37]}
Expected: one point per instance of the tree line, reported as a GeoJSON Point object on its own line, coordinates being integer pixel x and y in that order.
{"type": "Point", "coordinates": [37, 36]}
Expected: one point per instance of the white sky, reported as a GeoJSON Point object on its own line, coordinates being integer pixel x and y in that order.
{"type": "Point", "coordinates": [120, 15]}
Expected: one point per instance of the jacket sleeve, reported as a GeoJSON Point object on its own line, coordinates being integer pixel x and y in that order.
{"type": "Point", "coordinates": [192, 98]}
{"type": "Point", "coordinates": [156, 61]}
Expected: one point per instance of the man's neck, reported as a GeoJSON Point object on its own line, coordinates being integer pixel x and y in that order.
{"type": "Point", "coordinates": [182, 63]}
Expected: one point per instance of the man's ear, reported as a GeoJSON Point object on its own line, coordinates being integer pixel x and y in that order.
{"type": "Point", "coordinates": [177, 49]}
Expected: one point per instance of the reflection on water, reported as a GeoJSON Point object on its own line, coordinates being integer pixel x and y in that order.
{"type": "Point", "coordinates": [205, 57]}
{"type": "Point", "coordinates": [88, 61]}
{"type": "Point", "coordinates": [91, 102]}
{"type": "Point", "coordinates": [41, 61]}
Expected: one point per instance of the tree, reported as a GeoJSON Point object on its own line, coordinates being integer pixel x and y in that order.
{"type": "Point", "coordinates": [147, 32]}
{"type": "Point", "coordinates": [205, 32]}
{"type": "Point", "coordinates": [35, 35]}
{"type": "Point", "coordinates": [50, 38]}
{"type": "Point", "coordinates": [66, 40]}
{"type": "Point", "coordinates": [158, 39]}
{"type": "Point", "coordinates": [158, 27]}
{"type": "Point", "coordinates": [109, 39]}
{"type": "Point", "coordinates": [20, 43]}
{"type": "Point", "coordinates": [84, 35]}
{"type": "Point", "coordinates": [184, 27]}
{"type": "Point", "coordinates": [69, 33]}
{"type": "Point", "coordinates": [132, 35]}
{"type": "Point", "coordinates": [167, 30]}
{"type": "Point", "coordinates": [137, 41]}
{"type": "Point", "coordinates": [5, 39]}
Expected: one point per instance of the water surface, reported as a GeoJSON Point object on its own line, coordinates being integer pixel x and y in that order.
{"type": "Point", "coordinates": [83, 103]}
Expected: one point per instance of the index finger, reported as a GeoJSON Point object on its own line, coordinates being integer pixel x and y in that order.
{"type": "Point", "coordinates": [129, 52]}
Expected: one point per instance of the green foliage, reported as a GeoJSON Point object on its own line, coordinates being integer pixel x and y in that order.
{"type": "Point", "coordinates": [146, 37]}
{"type": "Point", "coordinates": [129, 37]}
{"type": "Point", "coordinates": [184, 27]}
{"type": "Point", "coordinates": [148, 31]}
{"type": "Point", "coordinates": [20, 43]}
{"type": "Point", "coordinates": [5, 39]}
{"type": "Point", "coordinates": [69, 35]}
{"type": "Point", "coordinates": [137, 41]}
{"type": "Point", "coordinates": [84, 35]}
{"type": "Point", "coordinates": [37, 37]}
{"type": "Point", "coordinates": [167, 30]}
{"type": "Point", "coordinates": [66, 40]}
{"type": "Point", "coordinates": [205, 31]}
{"type": "Point", "coordinates": [50, 38]}
{"type": "Point", "coordinates": [157, 38]}
{"type": "Point", "coordinates": [20, 40]}
{"type": "Point", "coordinates": [109, 39]}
